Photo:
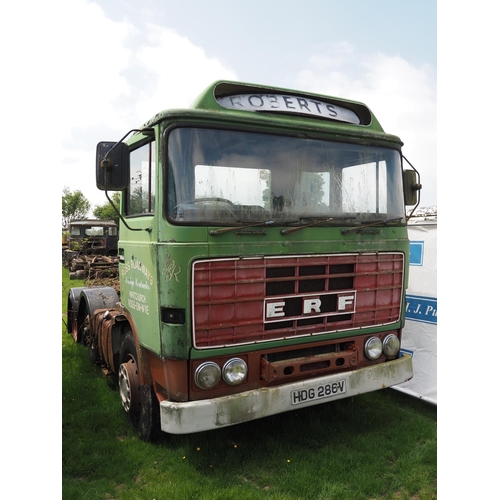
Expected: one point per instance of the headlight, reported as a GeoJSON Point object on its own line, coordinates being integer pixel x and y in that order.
{"type": "Point", "coordinates": [373, 348]}
{"type": "Point", "coordinates": [390, 345]}
{"type": "Point", "coordinates": [234, 371]}
{"type": "Point", "coordinates": [207, 375]}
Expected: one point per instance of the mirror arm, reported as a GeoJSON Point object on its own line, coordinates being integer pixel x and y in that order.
{"type": "Point", "coordinates": [146, 131]}
{"type": "Point", "coordinates": [148, 229]}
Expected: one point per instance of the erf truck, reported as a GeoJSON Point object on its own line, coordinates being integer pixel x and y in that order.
{"type": "Point", "coordinates": [263, 259]}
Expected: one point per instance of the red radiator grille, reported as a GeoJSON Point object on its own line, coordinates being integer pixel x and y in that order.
{"type": "Point", "coordinates": [238, 301]}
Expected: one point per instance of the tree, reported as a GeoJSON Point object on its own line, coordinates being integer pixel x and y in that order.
{"type": "Point", "coordinates": [106, 211]}
{"type": "Point", "coordinates": [74, 206]}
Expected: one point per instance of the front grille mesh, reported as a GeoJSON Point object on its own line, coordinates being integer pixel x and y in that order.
{"type": "Point", "coordinates": [229, 296]}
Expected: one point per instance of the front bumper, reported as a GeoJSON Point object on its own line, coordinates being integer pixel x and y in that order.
{"type": "Point", "coordinates": [197, 416]}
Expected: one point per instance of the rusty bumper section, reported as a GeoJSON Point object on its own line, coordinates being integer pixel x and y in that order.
{"type": "Point", "coordinates": [196, 416]}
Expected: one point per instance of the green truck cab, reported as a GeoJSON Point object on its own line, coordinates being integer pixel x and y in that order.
{"type": "Point", "coordinates": [263, 259]}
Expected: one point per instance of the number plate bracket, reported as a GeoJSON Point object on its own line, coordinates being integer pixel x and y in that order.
{"type": "Point", "coordinates": [287, 369]}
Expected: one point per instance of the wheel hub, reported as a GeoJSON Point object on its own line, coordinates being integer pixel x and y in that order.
{"type": "Point", "coordinates": [128, 382]}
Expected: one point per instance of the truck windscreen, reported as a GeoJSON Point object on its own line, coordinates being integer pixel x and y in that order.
{"type": "Point", "coordinates": [227, 177]}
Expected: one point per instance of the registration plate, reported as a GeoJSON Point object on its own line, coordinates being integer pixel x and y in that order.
{"type": "Point", "coordinates": [318, 392]}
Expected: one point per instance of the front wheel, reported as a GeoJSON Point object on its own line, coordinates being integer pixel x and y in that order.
{"type": "Point", "coordinates": [138, 401]}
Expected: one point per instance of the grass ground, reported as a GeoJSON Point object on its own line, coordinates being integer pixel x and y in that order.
{"type": "Point", "coordinates": [381, 445]}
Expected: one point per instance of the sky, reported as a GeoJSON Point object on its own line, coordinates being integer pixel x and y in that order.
{"type": "Point", "coordinates": [128, 60]}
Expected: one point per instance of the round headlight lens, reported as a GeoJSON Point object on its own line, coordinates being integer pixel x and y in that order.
{"type": "Point", "coordinates": [373, 348]}
{"type": "Point", "coordinates": [390, 345]}
{"type": "Point", "coordinates": [207, 375]}
{"type": "Point", "coordinates": [234, 371]}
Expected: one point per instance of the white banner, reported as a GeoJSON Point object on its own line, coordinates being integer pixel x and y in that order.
{"type": "Point", "coordinates": [420, 332]}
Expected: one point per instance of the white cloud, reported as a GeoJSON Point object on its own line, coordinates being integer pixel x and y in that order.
{"type": "Point", "coordinates": [337, 53]}
{"type": "Point", "coordinates": [180, 71]}
{"type": "Point", "coordinates": [81, 162]}
{"type": "Point", "coordinates": [402, 97]}
{"type": "Point", "coordinates": [94, 56]}
{"type": "Point", "coordinates": [115, 79]}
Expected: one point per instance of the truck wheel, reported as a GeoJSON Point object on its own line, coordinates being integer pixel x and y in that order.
{"type": "Point", "coordinates": [139, 402]}
{"type": "Point", "coordinates": [89, 340]}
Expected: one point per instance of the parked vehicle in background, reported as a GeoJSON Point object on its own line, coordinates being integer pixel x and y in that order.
{"type": "Point", "coordinates": [91, 249]}
{"type": "Point", "coordinates": [93, 237]}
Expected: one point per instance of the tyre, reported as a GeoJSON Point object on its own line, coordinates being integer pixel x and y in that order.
{"type": "Point", "coordinates": [139, 402]}
{"type": "Point", "coordinates": [88, 339]}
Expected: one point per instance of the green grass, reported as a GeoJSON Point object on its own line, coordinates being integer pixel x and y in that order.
{"type": "Point", "coordinates": [381, 445]}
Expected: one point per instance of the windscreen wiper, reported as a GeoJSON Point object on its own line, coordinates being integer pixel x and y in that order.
{"type": "Point", "coordinates": [359, 228]}
{"type": "Point", "coordinates": [322, 220]}
{"type": "Point", "coordinates": [216, 232]}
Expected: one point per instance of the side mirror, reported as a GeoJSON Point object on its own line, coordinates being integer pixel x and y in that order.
{"type": "Point", "coordinates": [112, 166]}
{"type": "Point", "coordinates": [411, 186]}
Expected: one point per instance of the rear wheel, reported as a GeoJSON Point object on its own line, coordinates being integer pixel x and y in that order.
{"type": "Point", "coordinates": [139, 402]}
{"type": "Point", "coordinates": [88, 338]}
